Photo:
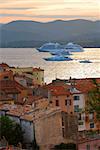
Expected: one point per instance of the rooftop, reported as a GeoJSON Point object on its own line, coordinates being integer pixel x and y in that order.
{"type": "Point", "coordinates": [4, 65]}
{"type": "Point", "coordinates": [37, 69]}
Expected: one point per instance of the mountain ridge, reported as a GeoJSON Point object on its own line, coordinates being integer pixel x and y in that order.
{"type": "Point", "coordinates": [84, 32]}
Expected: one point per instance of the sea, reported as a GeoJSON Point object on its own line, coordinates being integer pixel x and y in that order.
{"type": "Point", "coordinates": [30, 57]}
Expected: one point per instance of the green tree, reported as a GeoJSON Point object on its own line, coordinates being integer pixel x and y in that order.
{"type": "Point", "coordinates": [64, 146]}
{"type": "Point", "coordinates": [93, 104]}
{"type": "Point", "coordinates": [10, 130]}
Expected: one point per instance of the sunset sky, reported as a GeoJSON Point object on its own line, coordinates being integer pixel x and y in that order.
{"type": "Point", "coordinates": [47, 10]}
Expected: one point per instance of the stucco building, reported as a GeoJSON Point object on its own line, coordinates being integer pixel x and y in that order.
{"type": "Point", "coordinates": [53, 127]}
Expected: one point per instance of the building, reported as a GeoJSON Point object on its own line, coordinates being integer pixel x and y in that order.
{"type": "Point", "coordinates": [59, 126]}
{"type": "Point", "coordinates": [6, 75]}
{"type": "Point", "coordinates": [34, 74]}
{"type": "Point", "coordinates": [4, 66]}
{"type": "Point", "coordinates": [52, 127]}
{"type": "Point", "coordinates": [60, 96]}
{"type": "Point", "coordinates": [78, 90]}
{"type": "Point", "coordinates": [13, 90]}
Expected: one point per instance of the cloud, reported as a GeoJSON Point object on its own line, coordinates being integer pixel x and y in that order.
{"type": "Point", "coordinates": [18, 8]}
{"type": "Point", "coordinates": [44, 9]}
{"type": "Point", "coordinates": [46, 16]}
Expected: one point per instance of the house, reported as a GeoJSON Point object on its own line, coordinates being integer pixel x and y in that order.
{"type": "Point", "coordinates": [34, 74]}
{"type": "Point", "coordinates": [4, 66]}
{"type": "Point", "coordinates": [60, 96]}
{"type": "Point", "coordinates": [9, 89]}
{"type": "Point", "coordinates": [6, 75]}
{"type": "Point", "coordinates": [52, 127]}
{"type": "Point", "coordinates": [5, 99]}
{"type": "Point", "coordinates": [85, 86]}
{"type": "Point", "coordinates": [13, 89]}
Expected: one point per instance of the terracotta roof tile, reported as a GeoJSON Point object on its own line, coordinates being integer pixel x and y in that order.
{"type": "Point", "coordinates": [4, 65]}
{"type": "Point", "coordinates": [85, 85]}
{"type": "Point", "coordinates": [58, 90]}
{"type": "Point", "coordinates": [37, 69]}
{"type": "Point", "coordinates": [8, 86]}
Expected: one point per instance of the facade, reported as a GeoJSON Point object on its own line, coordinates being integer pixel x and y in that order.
{"type": "Point", "coordinates": [59, 128]}
{"type": "Point", "coordinates": [36, 74]}
{"type": "Point", "coordinates": [78, 94]}
{"type": "Point", "coordinates": [6, 100]}
{"type": "Point", "coordinates": [4, 66]}
{"type": "Point", "coordinates": [13, 90]}
{"type": "Point", "coordinates": [6, 75]}
{"type": "Point", "coordinates": [8, 88]}
{"type": "Point", "coordinates": [79, 108]}
{"type": "Point", "coordinates": [59, 96]}
{"type": "Point", "coordinates": [20, 70]}
{"type": "Point", "coordinates": [21, 80]}
{"type": "Point", "coordinates": [85, 86]}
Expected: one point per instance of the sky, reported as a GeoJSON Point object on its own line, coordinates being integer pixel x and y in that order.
{"type": "Point", "coordinates": [48, 10]}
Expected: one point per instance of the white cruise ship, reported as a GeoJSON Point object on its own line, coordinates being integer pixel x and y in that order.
{"type": "Point", "coordinates": [71, 47]}
{"type": "Point", "coordinates": [49, 47]}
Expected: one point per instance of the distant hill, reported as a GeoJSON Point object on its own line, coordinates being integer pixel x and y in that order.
{"type": "Point", "coordinates": [33, 34]}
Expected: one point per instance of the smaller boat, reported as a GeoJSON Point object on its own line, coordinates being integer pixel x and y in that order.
{"type": "Point", "coordinates": [60, 52]}
{"type": "Point", "coordinates": [58, 58]}
{"type": "Point", "coordinates": [85, 61]}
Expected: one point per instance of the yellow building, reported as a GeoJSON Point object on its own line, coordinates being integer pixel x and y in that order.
{"type": "Point", "coordinates": [36, 74]}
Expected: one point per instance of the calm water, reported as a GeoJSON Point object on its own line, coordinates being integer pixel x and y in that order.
{"type": "Point", "coordinates": [22, 57]}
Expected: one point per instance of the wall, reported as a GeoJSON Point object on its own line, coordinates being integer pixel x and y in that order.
{"type": "Point", "coordinates": [66, 108]}
{"type": "Point", "coordinates": [49, 129]}
{"type": "Point", "coordinates": [27, 126]}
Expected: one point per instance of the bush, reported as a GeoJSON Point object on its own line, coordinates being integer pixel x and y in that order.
{"type": "Point", "coordinates": [11, 131]}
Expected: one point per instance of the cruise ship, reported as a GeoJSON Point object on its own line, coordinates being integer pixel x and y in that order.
{"type": "Point", "coordinates": [63, 52]}
{"type": "Point", "coordinates": [49, 47]}
{"type": "Point", "coordinates": [58, 58]}
{"type": "Point", "coordinates": [71, 47]}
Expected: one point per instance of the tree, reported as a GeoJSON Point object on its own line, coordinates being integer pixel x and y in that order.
{"type": "Point", "coordinates": [93, 104]}
{"type": "Point", "coordinates": [10, 130]}
{"type": "Point", "coordinates": [64, 146]}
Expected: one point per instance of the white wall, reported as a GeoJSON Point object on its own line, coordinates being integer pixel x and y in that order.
{"type": "Point", "coordinates": [81, 103]}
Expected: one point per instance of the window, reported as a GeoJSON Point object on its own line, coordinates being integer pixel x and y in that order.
{"type": "Point", "coordinates": [76, 108]}
{"type": "Point", "coordinates": [57, 102]}
{"type": "Point", "coordinates": [76, 97]}
{"type": "Point", "coordinates": [62, 121]}
{"type": "Point", "coordinates": [79, 117]}
{"type": "Point", "coordinates": [33, 93]}
{"type": "Point", "coordinates": [63, 132]}
{"type": "Point", "coordinates": [91, 116]}
{"type": "Point", "coordinates": [67, 102]}
{"type": "Point", "coordinates": [14, 96]}
{"type": "Point", "coordinates": [80, 123]}
{"type": "Point", "coordinates": [6, 77]}
{"type": "Point", "coordinates": [92, 125]}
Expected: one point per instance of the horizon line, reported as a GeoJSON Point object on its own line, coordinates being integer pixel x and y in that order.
{"type": "Point", "coordinates": [50, 21]}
